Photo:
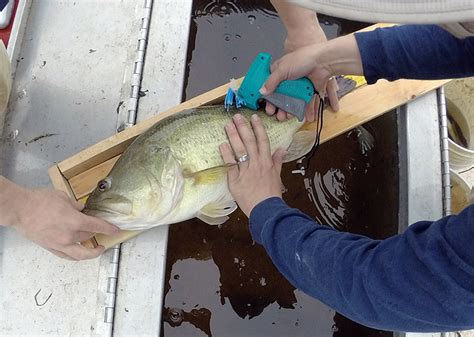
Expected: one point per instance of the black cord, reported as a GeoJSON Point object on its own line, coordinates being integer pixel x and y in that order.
{"type": "Point", "coordinates": [304, 164]}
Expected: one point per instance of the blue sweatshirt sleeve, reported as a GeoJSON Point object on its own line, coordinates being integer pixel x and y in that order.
{"type": "Point", "coordinates": [418, 281]}
{"type": "Point", "coordinates": [414, 52]}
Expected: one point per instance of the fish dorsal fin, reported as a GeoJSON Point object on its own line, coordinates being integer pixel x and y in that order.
{"type": "Point", "coordinates": [303, 142]}
{"type": "Point", "coordinates": [216, 213]}
{"type": "Point", "coordinates": [211, 175]}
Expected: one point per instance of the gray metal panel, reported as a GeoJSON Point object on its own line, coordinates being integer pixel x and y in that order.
{"type": "Point", "coordinates": [67, 85]}
{"type": "Point", "coordinates": [424, 199]}
{"type": "Point", "coordinates": [69, 81]}
{"type": "Point", "coordinates": [18, 31]}
{"type": "Point", "coordinates": [14, 44]}
{"type": "Point", "coordinates": [143, 259]}
{"type": "Point", "coordinates": [140, 285]}
{"type": "Point", "coordinates": [75, 299]}
{"type": "Point", "coordinates": [421, 191]}
{"type": "Point", "coordinates": [165, 59]}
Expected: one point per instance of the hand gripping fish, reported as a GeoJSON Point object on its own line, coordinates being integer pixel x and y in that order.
{"type": "Point", "coordinates": [174, 171]}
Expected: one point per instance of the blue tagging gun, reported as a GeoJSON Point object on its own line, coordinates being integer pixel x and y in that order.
{"type": "Point", "coordinates": [291, 96]}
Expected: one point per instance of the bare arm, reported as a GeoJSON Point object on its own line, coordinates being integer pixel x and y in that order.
{"type": "Point", "coordinates": [301, 23]}
{"type": "Point", "coordinates": [50, 219]}
{"type": "Point", "coordinates": [303, 29]}
{"type": "Point", "coordinates": [320, 62]}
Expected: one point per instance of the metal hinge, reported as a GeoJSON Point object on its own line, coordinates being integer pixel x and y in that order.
{"type": "Point", "coordinates": [138, 65]}
{"type": "Point", "coordinates": [135, 83]}
{"type": "Point", "coordinates": [445, 175]}
{"type": "Point", "coordinates": [111, 290]}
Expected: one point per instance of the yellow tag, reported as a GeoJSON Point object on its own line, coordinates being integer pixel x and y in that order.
{"type": "Point", "coordinates": [360, 80]}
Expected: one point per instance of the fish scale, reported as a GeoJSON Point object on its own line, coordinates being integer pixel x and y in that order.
{"type": "Point", "coordinates": [182, 146]}
{"type": "Point", "coordinates": [173, 172]}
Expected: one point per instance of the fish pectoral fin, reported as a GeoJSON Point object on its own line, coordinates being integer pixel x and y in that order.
{"type": "Point", "coordinates": [303, 142]}
{"type": "Point", "coordinates": [208, 176]}
{"type": "Point", "coordinates": [220, 208]}
{"type": "Point", "coordinates": [216, 213]}
{"type": "Point", "coordinates": [212, 221]}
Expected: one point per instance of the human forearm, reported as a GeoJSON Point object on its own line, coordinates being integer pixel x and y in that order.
{"type": "Point", "coordinates": [303, 30]}
{"type": "Point", "coordinates": [301, 24]}
{"type": "Point", "coordinates": [50, 219]}
{"type": "Point", "coordinates": [420, 280]}
{"type": "Point", "coordinates": [415, 52]}
{"type": "Point", "coordinates": [340, 56]}
{"type": "Point", "coordinates": [10, 195]}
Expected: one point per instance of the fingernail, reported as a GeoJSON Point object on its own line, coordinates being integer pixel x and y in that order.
{"type": "Point", "coordinates": [255, 117]}
{"type": "Point", "coordinates": [263, 90]}
{"type": "Point", "coordinates": [237, 116]}
{"type": "Point", "coordinates": [223, 145]}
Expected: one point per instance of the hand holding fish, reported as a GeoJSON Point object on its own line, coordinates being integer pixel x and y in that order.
{"type": "Point", "coordinates": [52, 220]}
{"type": "Point", "coordinates": [255, 173]}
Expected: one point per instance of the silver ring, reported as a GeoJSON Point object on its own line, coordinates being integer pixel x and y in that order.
{"type": "Point", "coordinates": [243, 158]}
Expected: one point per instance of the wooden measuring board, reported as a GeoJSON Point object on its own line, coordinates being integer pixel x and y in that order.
{"type": "Point", "coordinates": [79, 174]}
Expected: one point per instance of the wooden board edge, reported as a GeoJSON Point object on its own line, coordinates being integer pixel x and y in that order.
{"type": "Point", "coordinates": [59, 182]}
{"type": "Point", "coordinates": [77, 182]}
{"type": "Point", "coordinates": [109, 241]}
{"type": "Point", "coordinates": [116, 144]}
{"type": "Point", "coordinates": [355, 109]}
{"type": "Point", "coordinates": [421, 88]}
{"type": "Point", "coordinates": [91, 243]}
{"type": "Point", "coordinates": [425, 87]}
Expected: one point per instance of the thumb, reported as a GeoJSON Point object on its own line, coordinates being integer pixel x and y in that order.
{"type": "Point", "coordinates": [332, 89]}
{"type": "Point", "coordinates": [95, 225]}
{"type": "Point", "coordinates": [77, 205]}
{"type": "Point", "coordinates": [275, 78]}
{"type": "Point", "coordinates": [277, 158]}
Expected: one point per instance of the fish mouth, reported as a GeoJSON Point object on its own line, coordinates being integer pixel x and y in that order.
{"type": "Point", "coordinates": [102, 211]}
{"type": "Point", "coordinates": [123, 208]}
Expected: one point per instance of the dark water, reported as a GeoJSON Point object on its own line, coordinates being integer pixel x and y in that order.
{"type": "Point", "coordinates": [218, 281]}
{"type": "Point", "coordinates": [226, 36]}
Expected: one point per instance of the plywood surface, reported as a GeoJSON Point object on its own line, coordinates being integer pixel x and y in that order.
{"type": "Point", "coordinates": [79, 174]}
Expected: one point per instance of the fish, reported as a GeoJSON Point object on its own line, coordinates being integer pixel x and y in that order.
{"type": "Point", "coordinates": [174, 171]}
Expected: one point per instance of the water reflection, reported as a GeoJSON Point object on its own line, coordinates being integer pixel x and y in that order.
{"type": "Point", "coordinates": [226, 8]}
{"type": "Point", "coordinates": [329, 196]}
{"type": "Point", "coordinates": [225, 37]}
{"type": "Point", "coordinates": [218, 281]}
{"type": "Point", "coordinates": [230, 282]}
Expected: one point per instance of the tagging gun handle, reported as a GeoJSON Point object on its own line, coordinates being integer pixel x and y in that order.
{"type": "Point", "coordinates": [300, 89]}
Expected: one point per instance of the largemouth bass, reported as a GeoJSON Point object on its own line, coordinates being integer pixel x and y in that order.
{"type": "Point", "coordinates": [174, 172]}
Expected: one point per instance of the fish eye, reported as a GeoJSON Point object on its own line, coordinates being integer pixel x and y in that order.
{"type": "Point", "coordinates": [104, 184]}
